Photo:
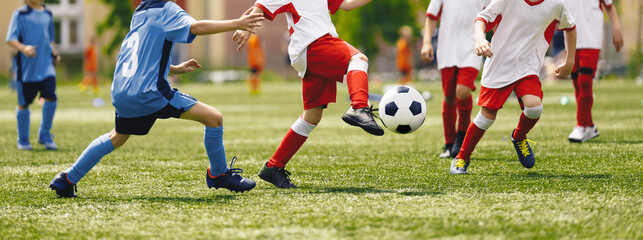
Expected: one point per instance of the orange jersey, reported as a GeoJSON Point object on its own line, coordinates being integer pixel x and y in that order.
{"type": "Point", "coordinates": [403, 55]}
{"type": "Point", "coordinates": [256, 58]}
{"type": "Point", "coordinates": [91, 62]}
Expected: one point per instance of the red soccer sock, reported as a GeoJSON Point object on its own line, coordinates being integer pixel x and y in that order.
{"type": "Point", "coordinates": [584, 101]}
{"type": "Point", "coordinates": [288, 147]}
{"type": "Point", "coordinates": [464, 113]}
{"type": "Point", "coordinates": [357, 82]}
{"type": "Point", "coordinates": [471, 139]}
{"type": "Point", "coordinates": [448, 122]}
{"type": "Point", "coordinates": [524, 125]}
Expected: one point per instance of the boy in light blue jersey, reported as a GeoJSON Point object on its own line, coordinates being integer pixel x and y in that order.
{"type": "Point", "coordinates": [141, 92]}
{"type": "Point", "coordinates": [31, 32]}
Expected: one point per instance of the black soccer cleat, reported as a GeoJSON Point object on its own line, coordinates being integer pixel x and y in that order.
{"type": "Point", "coordinates": [363, 118]}
{"type": "Point", "coordinates": [459, 139]}
{"type": "Point", "coordinates": [63, 188]}
{"type": "Point", "coordinates": [230, 180]}
{"type": "Point", "coordinates": [277, 176]}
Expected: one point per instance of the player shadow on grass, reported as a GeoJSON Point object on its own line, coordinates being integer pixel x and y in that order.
{"type": "Point", "coordinates": [570, 176]}
{"type": "Point", "coordinates": [603, 141]}
{"type": "Point", "coordinates": [368, 190]}
{"type": "Point", "coordinates": [209, 199]}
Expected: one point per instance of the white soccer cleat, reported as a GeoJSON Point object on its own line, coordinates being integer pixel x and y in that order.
{"type": "Point", "coordinates": [577, 135]}
{"type": "Point", "coordinates": [591, 132]}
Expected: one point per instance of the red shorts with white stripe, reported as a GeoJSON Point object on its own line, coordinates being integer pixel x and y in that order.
{"type": "Point", "coordinates": [494, 98]}
{"type": "Point", "coordinates": [328, 59]}
{"type": "Point", "coordinates": [454, 75]}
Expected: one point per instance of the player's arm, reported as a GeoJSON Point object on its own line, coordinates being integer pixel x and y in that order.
{"type": "Point", "coordinates": [27, 50]}
{"type": "Point", "coordinates": [54, 53]}
{"type": "Point", "coordinates": [348, 5]}
{"type": "Point", "coordinates": [184, 67]}
{"type": "Point", "coordinates": [241, 36]}
{"type": "Point", "coordinates": [427, 47]}
{"type": "Point", "coordinates": [483, 47]}
{"type": "Point", "coordinates": [247, 22]}
{"type": "Point", "coordinates": [570, 46]}
{"type": "Point", "coordinates": [617, 36]}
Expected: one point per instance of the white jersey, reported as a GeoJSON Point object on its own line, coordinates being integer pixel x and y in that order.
{"type": "Point", "coordinates": [589, 19]}
{"type": "Point", "coordinates": [521, 38]}
{"type": "Point", "coordinates": [456, 43]}
{"type": "Point", "coordinates": [308, 20]}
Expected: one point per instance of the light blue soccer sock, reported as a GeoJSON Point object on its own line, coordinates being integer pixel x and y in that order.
{"type": "Point", "coordinates": [96, 150]}
{"type": "Point", "coordinates": [48, 110]}
{"type": "Point", "coordinates": [22, 117]}
{"type": "Point", "coordinates": [213, 140]}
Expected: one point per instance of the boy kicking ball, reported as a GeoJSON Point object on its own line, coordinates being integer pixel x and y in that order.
{"type": "Point", "coordinates": [515, 57]}
{"type": "Point", "coordinates": [141, 92]}
{"type": "Point", "coordinates": [321, 59]}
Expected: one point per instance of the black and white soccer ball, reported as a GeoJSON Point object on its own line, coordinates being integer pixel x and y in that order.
{"type": "Point", "coordinates": [402, 109]}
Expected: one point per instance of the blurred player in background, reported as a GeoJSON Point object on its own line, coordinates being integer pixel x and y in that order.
{"type": "Point", "coordinates": [90, 58]}
{"type": "Point", "coordinates": [589, 17]}
{"type": "Point", "coordinates": [404, 57]}
{"type": "Point", "coordinates": [141, 92]}
{"type": "Point", "coordinates": [31, 32]}
{"type": "Point", "coordinates": [321, 59]}
{"type": "Point", "coordinates": [256, 61]}
{"type": "Point", "coordinates": [515, 57]}
{"type": "Point", "coordinates": [457, 62]}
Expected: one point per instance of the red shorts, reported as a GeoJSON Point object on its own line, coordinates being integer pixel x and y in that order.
{"type": "Point", "coordinates": [586, 58]}
{"type": "Point", "coordinates": [494, 98]}
{"type": "Point", "coordinates": [453, 76]}
{"type": "Point", "coordinates": [328, 59]}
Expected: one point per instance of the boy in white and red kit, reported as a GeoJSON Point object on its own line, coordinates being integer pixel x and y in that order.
{"type": "Point", "coordinates": [515, 56]}
{"type": "Point", "coordinates": [589, 19]}
{"type": "Point", "coordinates": [457, 62]}
{"type": "Point", "coordinates": [322, 60]}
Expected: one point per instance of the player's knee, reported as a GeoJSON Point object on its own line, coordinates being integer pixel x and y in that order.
{"type": "Point", "coordinates": [462, 92]}
{"type": "Point", "coordinates": [360, 56]}
{"type": "Point", "coordinates": [483, 122]}
{"type": "Point", "coordinates": [215, 120]}
{"type": "Point", "coordinates": [533, 112]}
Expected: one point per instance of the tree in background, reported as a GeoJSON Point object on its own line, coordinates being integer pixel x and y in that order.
{"type": "Point", "coordinates": [118, 20]}
{"type": "Point", "coordinates": [363, 27]}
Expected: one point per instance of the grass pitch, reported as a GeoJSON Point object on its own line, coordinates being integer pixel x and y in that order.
{"type": "Point", "coordinates": [352, 185]}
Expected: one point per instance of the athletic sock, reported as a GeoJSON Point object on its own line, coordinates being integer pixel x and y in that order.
{"type": "Point", "coordinates": [22, 117]}
{"type": "Point", "coordinates": [213, 141]}
{"type": "Point", "coordinates": [474, 133]}
{"type": "Point", "coordinates": [525, 124]}
{"type": "Point", "coordinates": [48, 110]}
{"type": "Point", "coordinates": [448, 121]}
{"type": "Point", "coordinates": [357, 82]}
{"type": "Point", "coordinates": [585, 100]}
{"type": "Point", "coordinates": [464, 113]}
{"type": "Point", "coordinates": [294, 139]}
{"type": "Point", "coordinates": [94, 152]}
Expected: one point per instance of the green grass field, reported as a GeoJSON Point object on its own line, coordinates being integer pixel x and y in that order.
{"type": "Point", "coordinates": [351, 185]}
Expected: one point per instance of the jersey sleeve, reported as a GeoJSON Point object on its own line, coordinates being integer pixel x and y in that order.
{"type": "Point", "coordinates": [565, 20]}
{"type": "Point", "coordinates": [607, 3]}
{"type": "Point", "coordinates": [333, 5]}
{"type": "Point", "coordinates": [273, 7]}
{"type": "Point", "coordinates": [492, 13]}
{"type": "Point", "coordinates": [177, 24]}
{"type": "Point", "coordinates": [434, 10]}
{"type": "Point", "coordinates": [13, 33]}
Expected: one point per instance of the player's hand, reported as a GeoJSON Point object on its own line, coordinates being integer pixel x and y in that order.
{"type": "Point", "coordinates": [241, 38]}
{"type": "Point", "coordinates": [617, 38]}
{"type": "Point", "coordinates": [564, 70]}
{"type": "Point", "coordinates": [56, 59]}
{"type": "Point", "coordinates": [250, 22]}
{"type": "Point", "coordinates": [184, 67]}
{"type": "Point", "coordinates": [483, 48]}
{"type": "Point", "coordinates": [29, 51]}
{"type": "Point", "coordinates": [427, 52]}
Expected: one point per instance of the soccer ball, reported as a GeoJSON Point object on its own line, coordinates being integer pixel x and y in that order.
{"type": "Point", "coordinates": [402, 109]}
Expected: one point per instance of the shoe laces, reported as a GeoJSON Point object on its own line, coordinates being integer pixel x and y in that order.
{"type": "Point", "coordinates": [234, 170]}
{"type": "Point", "coordinates": [285, 174]}
{"type": "Point", "coordinates": [374, 112]}
{"type": "Point", "coordinates": [460, 163]}
{"type": "Point", "coordinates": [524, 148]}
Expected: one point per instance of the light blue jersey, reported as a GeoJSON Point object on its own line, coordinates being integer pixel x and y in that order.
{"type": "Point", "coordinates": [140, 84]}
{"type": "Point", "coordinates": [35, 28]}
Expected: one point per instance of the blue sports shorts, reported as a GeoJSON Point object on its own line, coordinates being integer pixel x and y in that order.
{"type": "Point", "coordinates": [179, 104]}
{"type": "Point", "coordinates": [27, 91]}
